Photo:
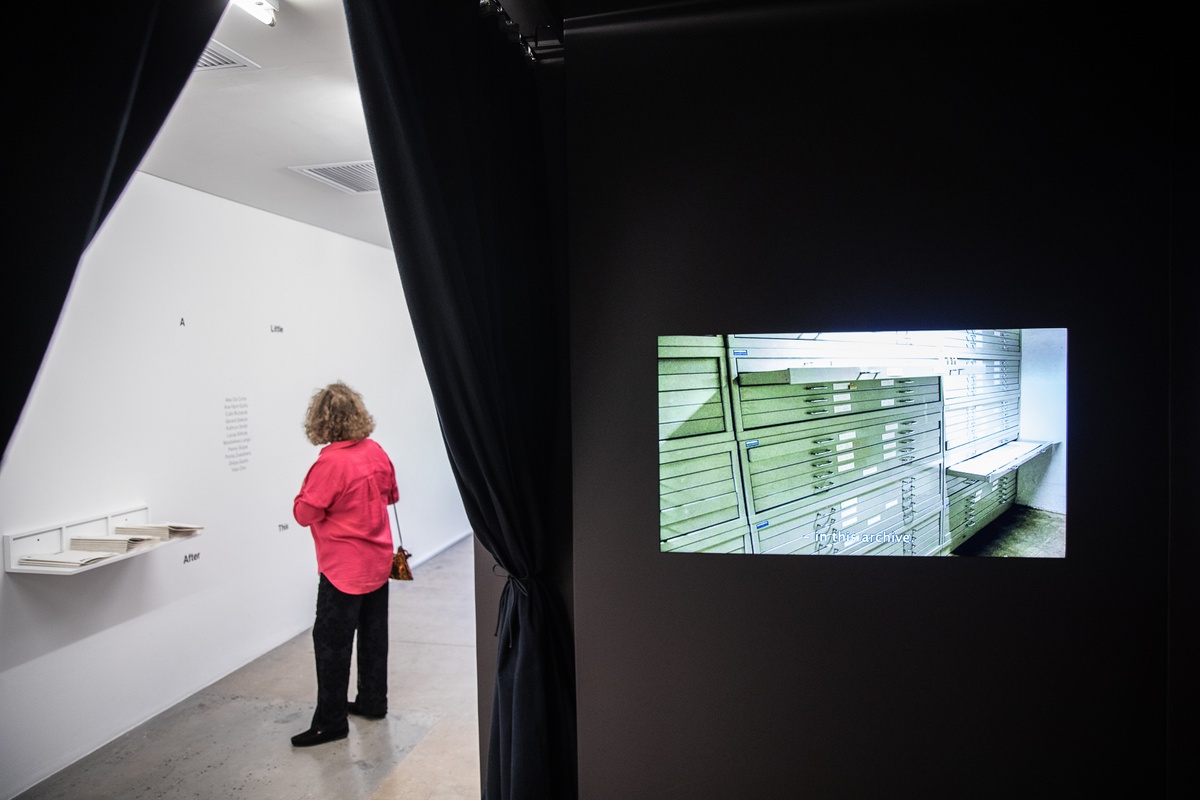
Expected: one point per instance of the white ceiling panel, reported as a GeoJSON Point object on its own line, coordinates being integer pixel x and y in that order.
{"type": "Point", "coordinates": [235, 132]}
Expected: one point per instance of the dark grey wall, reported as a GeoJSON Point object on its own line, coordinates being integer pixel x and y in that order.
{"type": "Point", "coordinates": [860, 166]}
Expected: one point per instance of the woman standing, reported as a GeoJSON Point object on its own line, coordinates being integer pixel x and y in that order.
{"type": "Point", "coordinates": [344, 501]}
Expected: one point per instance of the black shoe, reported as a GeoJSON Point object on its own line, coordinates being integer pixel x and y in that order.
{"type": "Point", "coordinates": [316, 736]}
{"type": "Point", "coordinates": [352, 708]}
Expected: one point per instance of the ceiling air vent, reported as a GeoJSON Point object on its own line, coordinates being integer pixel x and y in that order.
{"type": "Point", "coordinates": [352, 177]}
{"type": "Point", "coordinates": [218, 56]}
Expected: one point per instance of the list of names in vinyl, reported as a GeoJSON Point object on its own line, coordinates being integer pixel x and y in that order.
{"type": "Point", "coordinates": [237, 433]}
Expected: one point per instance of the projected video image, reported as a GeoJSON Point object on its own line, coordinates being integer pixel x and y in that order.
{"type": "Point", "coordinates": [882, 443]}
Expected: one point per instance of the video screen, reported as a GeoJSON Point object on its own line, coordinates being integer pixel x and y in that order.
{"type": "Point", "coordinates": [878, 443]}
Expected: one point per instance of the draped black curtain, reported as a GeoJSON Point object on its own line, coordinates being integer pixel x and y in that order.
{"type": "Point", "coordinates": [452, 109]}
{"type": "Point", "coordinates": [88, 86]}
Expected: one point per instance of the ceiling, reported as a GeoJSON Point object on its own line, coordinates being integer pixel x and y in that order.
{"type": "Point", "coordinates": [235, 132]}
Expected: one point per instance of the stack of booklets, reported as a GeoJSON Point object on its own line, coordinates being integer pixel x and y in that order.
{"type": "Point", "coordinates": [121, 543]}
{"type": "Point", "coordinates": [158, 530]}
{"type": "Point", "coordinates": [69, 559]}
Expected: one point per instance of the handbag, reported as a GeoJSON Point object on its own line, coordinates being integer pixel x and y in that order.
{"type": "Point", "coordinates": [400, 569]}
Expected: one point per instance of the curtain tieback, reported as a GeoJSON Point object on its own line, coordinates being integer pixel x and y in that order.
{"type": "Point", "coordinates": [505, 617]}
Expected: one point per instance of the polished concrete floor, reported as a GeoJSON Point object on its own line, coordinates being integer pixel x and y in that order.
{"type": "Point", "coordinates": [1020, 532]}
{"type": "Point", "coordinates": [232, 739]}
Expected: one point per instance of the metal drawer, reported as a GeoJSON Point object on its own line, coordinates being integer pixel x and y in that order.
{"type": "Point", "coordinates": [899, 501]}
{"type": "Point", "coordinates": [802, 381]}
{"type": "Point", "coordinates": [837, 441]}
{"type": "Point", "coordinates": [975, 522]}
{"type": "Point", "coordinates": [833, 518]}
{"type": "Point", "coordinates": [923, 538]}
{"type": "Point", "coordinates": [763, 406]}
{"type": "Point", "coordinates": [974, 447]}
{"type": "Point", "coordinates": [699, 487]}
{"type": "Point", "coordinates": [693, 395]}
{"type": "Point", "coordinates": [820, 534]}
{"type": "Point", "coordinates": [982, 416]}
{"type": "Point", "coordinates": [991, 465]}
{"type": "Point", "coordinates": [1000, 342]}
{"type": "Point", "coordinates": [773, 482]}
{"type": "Point", "coordinates": [728, 537]}
{"type": "Point", "coordinates": [973, 504]}
{"type": "Point", "coordinates": [963, 388]}
{"type": "Point", "coordinates": [824, 430]}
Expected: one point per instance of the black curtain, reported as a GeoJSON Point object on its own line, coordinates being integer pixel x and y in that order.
{"type": "Point", "coordinates": [452, 109]}
{"type": "Point", "coordinates": [88, 87]}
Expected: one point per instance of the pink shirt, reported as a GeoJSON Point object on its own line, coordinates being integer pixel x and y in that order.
{"type": "Point", "coordinates": [344, 500]}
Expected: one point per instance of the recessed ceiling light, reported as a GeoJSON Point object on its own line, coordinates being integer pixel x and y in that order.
{"type": "Point", "coordinates": [261, 10]}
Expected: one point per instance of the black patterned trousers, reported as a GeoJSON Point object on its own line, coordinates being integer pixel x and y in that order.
{"type": "Point", "coordinates": [339, 617]}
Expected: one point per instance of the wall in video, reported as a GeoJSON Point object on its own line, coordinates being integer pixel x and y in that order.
{"type": "Point", "coordinates": [881, 443]}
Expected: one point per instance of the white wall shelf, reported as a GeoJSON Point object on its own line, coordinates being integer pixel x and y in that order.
{"type": "Point", "coordinates": [57, 539]}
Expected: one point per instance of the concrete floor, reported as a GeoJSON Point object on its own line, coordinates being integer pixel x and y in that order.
{"type": "Point", "coordinates": [1020, 532]}
{"type": "Point", "coordinates": [232, 739]}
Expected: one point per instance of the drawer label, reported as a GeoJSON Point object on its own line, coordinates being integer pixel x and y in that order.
{"type": "Point", "coordinates": [892, 454]}
{"type": "Point", "coordinates": [888, 402]}
{"type": "Point", "coordinates": [887, 383]}
{"type": "Point", "coordinates": [845, 446]}
{"type": "Point", "coordinates": [870, 471]}
{"type": "Point", "coordinates": [845, 467]}
{"type": "Point", "coordinates": [891, 503]}
{"type": "Point", "coordinates": [847, 435]}
{"type": "Point", "coordinates": [888, 436]}
{"type": "Point", "coordinates": [851, 521]}
{"type": "Point", "coordinates": [762, 525]}
{"type": "Point", "coordinates": [840, 409]}
{"type": "Point", "coordinates": [752, 443]}
{"type": "Point", "coordinates": [846, 457]}
{"type": "Point", "coordinates": [892, 426]}
{"type": "Point", "coordinates": [889, 446]}
{"type": "Point", "coordinates": [839, 398]}
{"type": "Point", "coordinates": [853, 501]}
{"type": "Point", "coordinates": [874, 519]}
{"type": "Point", "coordinates": [841, 387]}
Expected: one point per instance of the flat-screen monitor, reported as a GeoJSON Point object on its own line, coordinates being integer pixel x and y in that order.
{"type": "Point", "coordinates": [868, 443]}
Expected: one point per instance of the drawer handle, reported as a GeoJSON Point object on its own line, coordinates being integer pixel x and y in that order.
{"type": "Point", "coordinates": [814, 388]}
{"type": "Point", "coordinates": [822, 464]}
{"type": "Point", "coordinates": [906, 459]}
{"type": "Point", "coordinates": [906, 400]}
{"type": "Point", "coordinates": [818, 400]}
{"type": "Point", "coordinates": [905, 391]}
{"type": "Point", "coordinates": [907, 441]}
{"type": "Point", "coordinates": [905, 432]}
{"type": "Point", "coordinates": [820, 486]}
{"type": "Point", "coordinates": [823, 441]}
{"type": "Point", "coordinates": [820, 452]}
{"type": "Point", "coordinates": [818, 412]}
{"type": "Point", "coordinates": [909, 380]}
{"type": "Point", "coordinates": [819, 475]}
{"type": "Point", "coordinates": [907, 449]}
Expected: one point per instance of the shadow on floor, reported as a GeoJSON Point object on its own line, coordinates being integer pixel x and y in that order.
{"type": "Point", "coordinates": [1020, 532]}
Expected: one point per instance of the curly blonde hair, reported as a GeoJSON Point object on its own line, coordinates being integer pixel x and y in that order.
{"type": "Point", "coordinates": [337, 414]}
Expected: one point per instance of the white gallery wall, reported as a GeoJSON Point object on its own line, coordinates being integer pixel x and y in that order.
{"type": "Point", "coordinates": [194, 334]}
{"type": "Point", "coordinates": [1042, 482]}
